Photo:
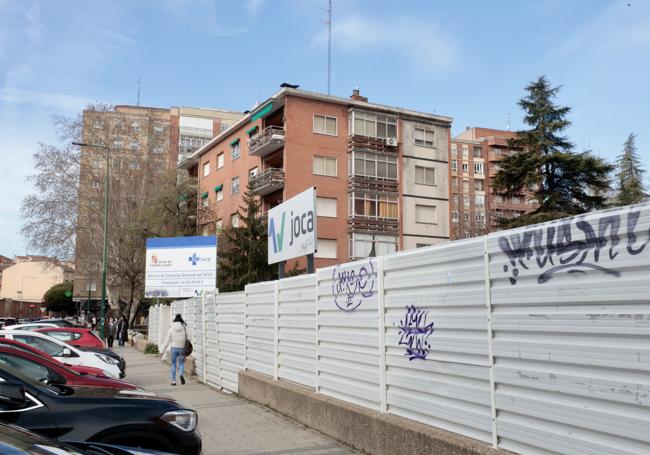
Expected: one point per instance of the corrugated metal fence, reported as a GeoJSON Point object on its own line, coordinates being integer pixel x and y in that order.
{"type": "Point", "coordinates": [536, 340]}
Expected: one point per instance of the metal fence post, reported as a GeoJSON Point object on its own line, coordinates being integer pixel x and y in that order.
{"type": "Point", "coordinates": [490, 334]}
{"type": "Point", "coordinates": [383, 400]}
{"type": "Point", "coordinates": [276, 329]}
{"type": "Point", "coordinates": [205, 345]}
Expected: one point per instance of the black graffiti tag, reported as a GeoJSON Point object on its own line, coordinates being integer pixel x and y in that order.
{"type": "Point", "coordinates": [414, 333]}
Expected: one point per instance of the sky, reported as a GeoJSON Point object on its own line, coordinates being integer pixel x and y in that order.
{"type": "Point", "coordinates": [469, 60]}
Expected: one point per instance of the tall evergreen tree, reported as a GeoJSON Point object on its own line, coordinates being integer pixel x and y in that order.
{"type": "Point", "coordinates": [243, 250]}
{"type": "Point", "coordinates": [563, 182]}
{"type": "Point", "coordinates": [629, 178]}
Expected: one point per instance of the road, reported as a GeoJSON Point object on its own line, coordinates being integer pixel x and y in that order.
{"type": "Point", "coordinates": [230, 424]}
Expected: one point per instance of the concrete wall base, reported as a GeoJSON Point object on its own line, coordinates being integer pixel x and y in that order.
{"type": "Point", "coordinates": [363, 429]}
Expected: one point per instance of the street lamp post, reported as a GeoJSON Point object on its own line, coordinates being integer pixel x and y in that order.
{"type": "Point", "coordinates": [102, 307]}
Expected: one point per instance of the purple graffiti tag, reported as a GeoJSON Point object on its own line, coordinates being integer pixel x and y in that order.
{"type": "Point", "coordinates": [351, 287]}
{"type": "Point", "coordinates": [573, 246]}
{"type": "Point", "coordinates": [414, 333]}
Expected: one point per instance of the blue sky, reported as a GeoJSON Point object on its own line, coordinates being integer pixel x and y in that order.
{"type": "Point", "coordinates": [466, 59]}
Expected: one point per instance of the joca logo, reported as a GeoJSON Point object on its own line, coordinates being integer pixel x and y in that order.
{"type": "Point", "coordinates": [300, 225]}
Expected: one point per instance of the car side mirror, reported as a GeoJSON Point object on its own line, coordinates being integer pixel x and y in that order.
{"type": "Point", "coordinates": [12, 394]}
{"type": "Point", "coordinates": [67, 352]}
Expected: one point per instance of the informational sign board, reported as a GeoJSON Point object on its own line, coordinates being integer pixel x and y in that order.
{"type": "Point", "coordinates": [180, 266]}
{"type": "Point", "coordinates": [292, 227]}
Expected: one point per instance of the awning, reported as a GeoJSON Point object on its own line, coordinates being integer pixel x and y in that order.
{"type": "Point", "coordinates": [252, 130]}
{"type": "Point", "coordinates": [234, 142]}
{"type": "Point", "coordinates": [218, 187]}
{"type": "Point", "coordinates": [204, 194]}
{"type": "Point", "coordinates": [262, 112]}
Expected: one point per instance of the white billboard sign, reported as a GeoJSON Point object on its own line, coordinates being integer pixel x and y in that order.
{"type": "Point", "coordinates": [292, 227]}
{"type": "Point", "coordinates": [180, 266]}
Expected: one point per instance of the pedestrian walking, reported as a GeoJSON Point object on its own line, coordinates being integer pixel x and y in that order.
{"type": "Point", "coordinates": [112, 332]}
{"type": "Point", "coordinates": [122, 331]}
{"type": "Point", "coordinates": [177, 338]}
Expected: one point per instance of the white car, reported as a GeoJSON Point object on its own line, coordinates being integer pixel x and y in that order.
{"type": "Point", "coordinates": [30, 326]}
{"type": "Point", "coordinates": [64, 352]}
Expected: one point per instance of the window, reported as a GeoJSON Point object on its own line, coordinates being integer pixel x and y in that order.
{"type": "Point", "coordinates": [532, 202]}
{"type": "Point", "coordinates": [158, 129]}
{"type": "Point", "coordinates": [454, 216]}
{"type": "Point", "coordinates": [516, 200]}
{"type": "Point", "coordinates": [47, 346]}
{"type": "Point", "coordinates": [135, 125]}
{"type": "Point", "coordinates": [234, 220]}
{"type": "Point", "coordinates": [219, 194]}
{"type": "Point", "coordinates": [478, 185]}
{"type": "Point", "coordinates": [422, 245]}
{"type": "Point", "coordinates": [425, 214]}
{"type": "Point", "coordinates": [454, 165]}
{"type": "Point", "coordinates": [454, 150]}
{"type": "Point", "coordinates": [223, 127]}
{"type": "Point", "coordinates": [466, 201]}
{"type": "Point", "coordinates": [220, 161]}
{"type": "Point", "coordinates": [465, 150]}
{"type": "Point", "coordinates": [157, 150]}
{"type": "Point", "coordinates": [252, 173]}
{"type": "Point", "coordinates": [134, 165]}
{"type": "Point", "coordinates": [466, 217]}
{"type": "Point", "coordinates": [374, 125]}
{"type": "Point", "coordinates": [234, 185]}
{"type": "Point", "coordinates": [326, 206]}
{"type": "Point", "coordinates": [98, 125]}
{"type": "Point", "coordinates": [374, 165]}
{"type": "Point", "coordinates": [325, 125]}
{"type": "Point", "coordinates": [134, 146]}
{"type": "Point", "coordinates": [27, 366]}
{"type": "Point", "coordinates": [496, 151]}
{"type": "Point", "coordinates": [499, 198]}
{"type": "Point", "coordinates": [219, 225]}
{"type": "Point", "coordinates": [204, 200]}
{"type": "Point", "coordinates": [206, 169]}
{"type": "Point", "coordinates": [480, 217]}
{"type": "Point", "coordinates": [118, 144]}
{"type": "Point", "coordinates": [465, 167]}
{"type": "Point", "coordinates": [116, 163]}
{"type": "Point", "coordinates": [425, 175]}
{"type": "Point", "coordinates": [478, 152]}
{"type": "Point", "coordinates": [478, 168]}
{"type": "Point", "coordinates": [95, 184]}
{"type": "Point", "coordinates": [324, 165]}
{"type": "Point", "coordinates": [373, 205]}
{"type": "Point", "coordinates": [362, 244]}
{"type": "Point", "coordinates": [234, 152]}
{"type": "Point", "coordinates": [423, 136]}
{"type": "Point", "coordinates": [326, 249]}
{"type": "Point", "coordinates": [479, 199]}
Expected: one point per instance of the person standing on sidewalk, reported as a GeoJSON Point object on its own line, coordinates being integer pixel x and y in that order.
{"type": "Point", "coordinates": [112, 331]}
{"type": "Point", "coordinates": [122, 331]}
{"type": "Point", "coordinates": [176, 336]}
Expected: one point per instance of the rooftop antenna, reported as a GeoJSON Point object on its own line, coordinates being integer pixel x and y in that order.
{"type": "Point", "coordinates": [138, 92]}
{"type": "Point", "coordinates": [329, 45]}
{"type": "Point", "coordinates": [509, 121]}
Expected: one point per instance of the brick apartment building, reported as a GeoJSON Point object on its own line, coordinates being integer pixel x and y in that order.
{"type": "Point", "coordinates": [381, 172]}
{"type": "Point", "coordinates": [474, 158]}
{"type": "Point", "coordinates": [145, 142]}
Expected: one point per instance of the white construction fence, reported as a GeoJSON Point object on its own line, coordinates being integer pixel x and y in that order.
{"type": "Point", "coordinates": [535, 340]}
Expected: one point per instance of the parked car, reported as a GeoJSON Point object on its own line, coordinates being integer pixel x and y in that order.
{"type": "Point", "coordinates": [94, 414]}
{"type": "Point", "coordinates": [57, 322]}
{"type": "Point", "coordinates": [74, 335]}
{"type": "Point", "coordinates": [41, 369]}
{"type": "Point", "coordinates": [4, 322]}
{"type": "Point", "coordinates": [121, 363]}
{"type": "Point", "coordinates": [31, 326]}
{"type": "Point", "coordinates": [78, 368]}
{"type": "Point", "coordinates": [19, 441]}
{"type": "Point", "coordinates": [66, 353]}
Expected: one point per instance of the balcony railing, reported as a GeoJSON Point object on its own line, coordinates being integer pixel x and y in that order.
{"type": "Point", "coordinates": [267, 141]}
{"type": "Point", "coordinates": [267, 181]}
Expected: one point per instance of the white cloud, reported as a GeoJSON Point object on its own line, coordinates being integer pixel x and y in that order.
{"type": "Point", "coordinates": [424, 44]}
{"type": "Point", "coordinates": [58, 101]}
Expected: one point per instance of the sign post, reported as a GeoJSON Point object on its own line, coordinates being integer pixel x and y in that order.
{"type": "Point", "coordinates": [292, 230]}
{"type": "Point", "coordinates": [180, 266]}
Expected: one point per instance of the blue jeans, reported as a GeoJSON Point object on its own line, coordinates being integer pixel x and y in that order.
{"type": "Point", "coordinates": [177, 354]}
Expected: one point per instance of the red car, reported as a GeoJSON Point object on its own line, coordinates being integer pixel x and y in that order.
{"type": "Point", "coordinates": [81, 338]}
{"type": "Point", "coordinates": [52, 372]}
{"type": "Point", "coordinates": [78, 368]}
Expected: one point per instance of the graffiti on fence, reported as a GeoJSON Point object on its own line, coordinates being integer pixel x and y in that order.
{"type": "Point", "coordinates": [414, 333]}
{"type": "Point", "coordinates": [351, 286]}
{"type": "Point", "coordinates": [573, 246]}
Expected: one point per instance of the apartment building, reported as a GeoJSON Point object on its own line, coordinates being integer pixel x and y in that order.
{"type": "Point", "coordinates": [380, 172]}
{"type": "Point", "coordinates": [474, 157]}
{"type": "Point", "coordinates": [145, 143]}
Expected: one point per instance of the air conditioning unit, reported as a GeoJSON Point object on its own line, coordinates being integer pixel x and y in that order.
{"type": "Point", "coordinates": [391, 141]}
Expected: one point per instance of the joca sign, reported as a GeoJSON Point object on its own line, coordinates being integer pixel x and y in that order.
{"type": "Point", "coordinates": [292, 227]}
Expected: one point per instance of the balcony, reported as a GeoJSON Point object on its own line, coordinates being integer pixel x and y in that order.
{"type": "Point", "coordinates": [267, 182]}
{"type": "Point", "coordinates": [266, 142]}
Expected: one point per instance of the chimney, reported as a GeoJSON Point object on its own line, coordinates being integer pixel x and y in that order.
{"type": "Point", "coordinates": [357, 96]}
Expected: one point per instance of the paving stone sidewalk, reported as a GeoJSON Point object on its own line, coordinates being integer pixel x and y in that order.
{"type": "Point", "coordinates": [230, 424]}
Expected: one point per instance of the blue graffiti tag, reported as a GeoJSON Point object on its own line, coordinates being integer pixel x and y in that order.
{"type": "Point", "coordinates": [350, 287]}
{"type": "Point", "coordinates": [414, 333]}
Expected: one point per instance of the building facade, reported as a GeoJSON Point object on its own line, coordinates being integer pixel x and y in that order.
{"type": "Point", "coordinates": [474, 158]}
{"type": "Point", "coordinates": [145, 145]}
{"type": "Point", "coordinates": [380, 172]}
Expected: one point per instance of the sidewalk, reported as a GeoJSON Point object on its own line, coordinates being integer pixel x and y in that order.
{"type": "Point", "coordinates": [229, 424]}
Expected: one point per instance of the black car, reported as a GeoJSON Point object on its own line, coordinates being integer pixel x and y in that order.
{"type": "Point", "coordinates": [18, 441]}
{"type": "Point", "coordinates": [121, 363]}
{"type": "Point", "coordinates": [6, 322]}
{"type": "Point", "coordinates": [131, 418]}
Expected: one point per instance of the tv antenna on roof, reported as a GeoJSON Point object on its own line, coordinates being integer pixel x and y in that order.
{"type": "Point", "coordinates": [509, 121]}
{"type": "Point", "coordinates": [138, 102]}
{"type": "Point", "coordinates": [329, 45]}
